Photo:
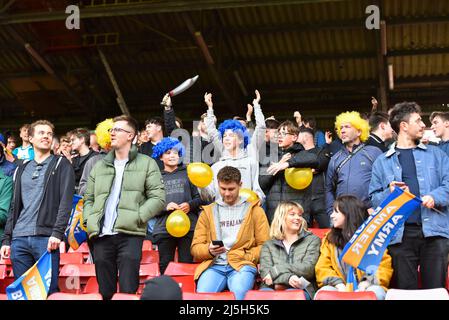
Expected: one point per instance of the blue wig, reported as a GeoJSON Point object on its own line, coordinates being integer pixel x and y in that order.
{"type": "Point", "coordinates": [236, 127]}
{"type": "Point", "coordinates": [167, 144]}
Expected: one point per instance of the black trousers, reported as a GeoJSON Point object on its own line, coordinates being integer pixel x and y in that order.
{"type": "Point", "coordinates": [117, 254]}
{"type": "Point", "coordinates": [431, 254]}
{"type": "Point", "coordinates": [167, 247]}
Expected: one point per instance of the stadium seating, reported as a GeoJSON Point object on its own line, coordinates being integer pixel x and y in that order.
{"type": "Point", "coordinates": [149, 257]}
{"type": "Point", "coordinates": [180, 269]}
{"type": "Point", "coordinates": [3, 271]}
{"type": "Point", "coordinates": [319, 232]}
{"type": "Point", "coordinates": [337, 295]}
{"type": "Point", "coordinates": [71, 258]}
{"type": "Point", "coordinates": [73, 277]}
{"type": "Point", "coordinates": [147, 245]}
{"type": "Point", "coordinates": [183, 274]}
{"type": "Point", "coordinates": [92, 286]}
{"type": "Point", "coordinates": [275, 295]}
{"type": "Point", "coordinates": [125, 296]}
{"type": "Point", "coordinates": [208, 296]}
{"type": "Point", "coordinates": [69, 296]}
{"type": "Point", "coordinates": [423, 294]}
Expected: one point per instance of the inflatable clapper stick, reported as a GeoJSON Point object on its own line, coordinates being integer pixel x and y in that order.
{"type": "Point", "coordinates": [183, 86]}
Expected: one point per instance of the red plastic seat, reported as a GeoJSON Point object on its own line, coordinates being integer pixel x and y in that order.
{"type": "Point", "coordinates": [275, 295]}
{"type": "Point", "coordinates": [149, 270]}
{"type": "Point", "coordinates": [83, 248]}
{"type": "Point", "coordinates": [78, 270]}
{"type": "Point", "coordinates": [181, 269]}
{"type": "Point", "coordinates": [183, 274]}
{"type": "Point", "coordinates": [337, 295]}
{"type": "Point", "coordinates": [5, 283]}
{"type": "Point", "coordinates": [319, 232]}
{"type": "Point", "coordinates": [125, 296]}
{"type": "Point", "coordinates": [73, 277]}
{"type": "Point", "coordinates": [91, 286]}
{"type": "Point", "coordinates": [70, 296]}
{"type": "Point", "coordinates": [227, 295]}
{"type": "Point", "coordinates": [186, 283]}
{"type": "Point", "coordinates": [71, 258]}
{"type": "Point", "coordinates": [149, 257]}
{"type": "Point", "coordinates": [3, 271]}
{"type": "Point", "coordinates": [147, 245]}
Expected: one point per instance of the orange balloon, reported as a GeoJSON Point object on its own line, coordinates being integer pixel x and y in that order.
{"type": "Point", "coordinates": [200, 174]}
{"type": "Point", "coordinates": [250, 195]}
{"type": "Point", "coordinates": [178, 224]}
{"type": "Point", "coordinates": [298, 178]}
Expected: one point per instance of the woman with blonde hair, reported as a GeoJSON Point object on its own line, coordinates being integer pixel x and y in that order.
{"type": "Point", "coordinates": [287, 261]}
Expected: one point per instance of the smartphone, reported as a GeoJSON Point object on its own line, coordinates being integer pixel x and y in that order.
{"type": "Point", "coordinates": [218, 243]}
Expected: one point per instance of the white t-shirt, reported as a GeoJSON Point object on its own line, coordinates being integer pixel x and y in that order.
{"type": "Point", "coordinates": [110, 210]}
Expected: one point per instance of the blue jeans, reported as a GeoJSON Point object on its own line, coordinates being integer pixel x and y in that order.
{"type": "Point", "coordinates": [219, 277]}
{"type": "Point", "coordinates": [26, 251]}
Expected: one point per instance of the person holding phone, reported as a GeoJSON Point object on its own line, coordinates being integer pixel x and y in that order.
{"type": "Point", "coordinates": [424, 171]}
{"type": "Point", "coordinates": [242, 228]}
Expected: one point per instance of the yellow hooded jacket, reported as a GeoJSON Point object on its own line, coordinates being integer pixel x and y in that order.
{"type": "Point", "coordinates": [252, 234]}
{"type": "Point", "coordinates": [328, 270]}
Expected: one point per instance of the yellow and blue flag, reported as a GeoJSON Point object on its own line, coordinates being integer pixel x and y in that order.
{"type": "Point", "coordinates": [367, 246]}
{"type": "Point", "coordinates": [351, 280]}
{"type": "Point", "coordinates": [33, 284]}
{"type": "Point", "coordinates": [75, 232]}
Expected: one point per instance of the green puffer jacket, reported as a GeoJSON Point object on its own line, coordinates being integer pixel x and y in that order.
{"type": "Point", "coordinates": [300, 261]}
{"type": "Point", "coordinates": [142, 195]}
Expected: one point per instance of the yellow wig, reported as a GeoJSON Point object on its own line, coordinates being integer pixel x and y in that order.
{"type": "Point", "coordinates": [356, 121]}
{"type": "Point", "coordinates": [102, 132]}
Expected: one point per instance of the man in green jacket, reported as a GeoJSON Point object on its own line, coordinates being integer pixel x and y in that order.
{"type": "Point", "coordinates": [124, 190]}
{"type": "Point", "coordinates": [5, 200]}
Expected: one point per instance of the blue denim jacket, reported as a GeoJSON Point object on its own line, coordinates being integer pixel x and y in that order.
{"type": "Point", "coordinates": [432, 170]}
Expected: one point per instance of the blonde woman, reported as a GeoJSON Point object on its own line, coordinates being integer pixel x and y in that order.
{"type": "Point", "coordinates": [287, 261]}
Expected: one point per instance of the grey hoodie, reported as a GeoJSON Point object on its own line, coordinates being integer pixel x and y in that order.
{"type": "Point", "coordinates": [249, 169]}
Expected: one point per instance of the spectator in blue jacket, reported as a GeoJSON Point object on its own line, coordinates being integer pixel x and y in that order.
{"type": "Point", "coordinates": [424, 171]}
{"type": "Point", "coordinates": [349, 170]}
{"type": "Point", "coordinates": [440, 126]}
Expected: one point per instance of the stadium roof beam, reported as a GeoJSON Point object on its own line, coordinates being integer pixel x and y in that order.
{"type": "Point", "coordinates": [140, 8]}
{"type": "Point", "coordinates": [218, 77]}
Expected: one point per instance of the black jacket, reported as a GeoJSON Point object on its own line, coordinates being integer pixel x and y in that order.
{"type": "Point", "coordinates": [78, 165]}
{"type": "Point", "coordinates": [178, 189]}
{"type": "Point", "coordinates": [375, 141]}
{"type": "Point", "coordinates": [280, 190]}
{"type": "Point", "coordinates": [56, 204]}
{"type": "Point", "coordinates": [169, 126]}
{"type": "Point", "coordinates": [317, 189]}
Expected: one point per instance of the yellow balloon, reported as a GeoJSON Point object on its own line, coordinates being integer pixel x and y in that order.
{"type": "Point", "coordinates": [298, 178]}
{"type": "Point", "coordinates": [200, 174]}
{"type": "Point", "coordinates": [249, 194]}
{"type": "Point", "coordinates": [178, 224]}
